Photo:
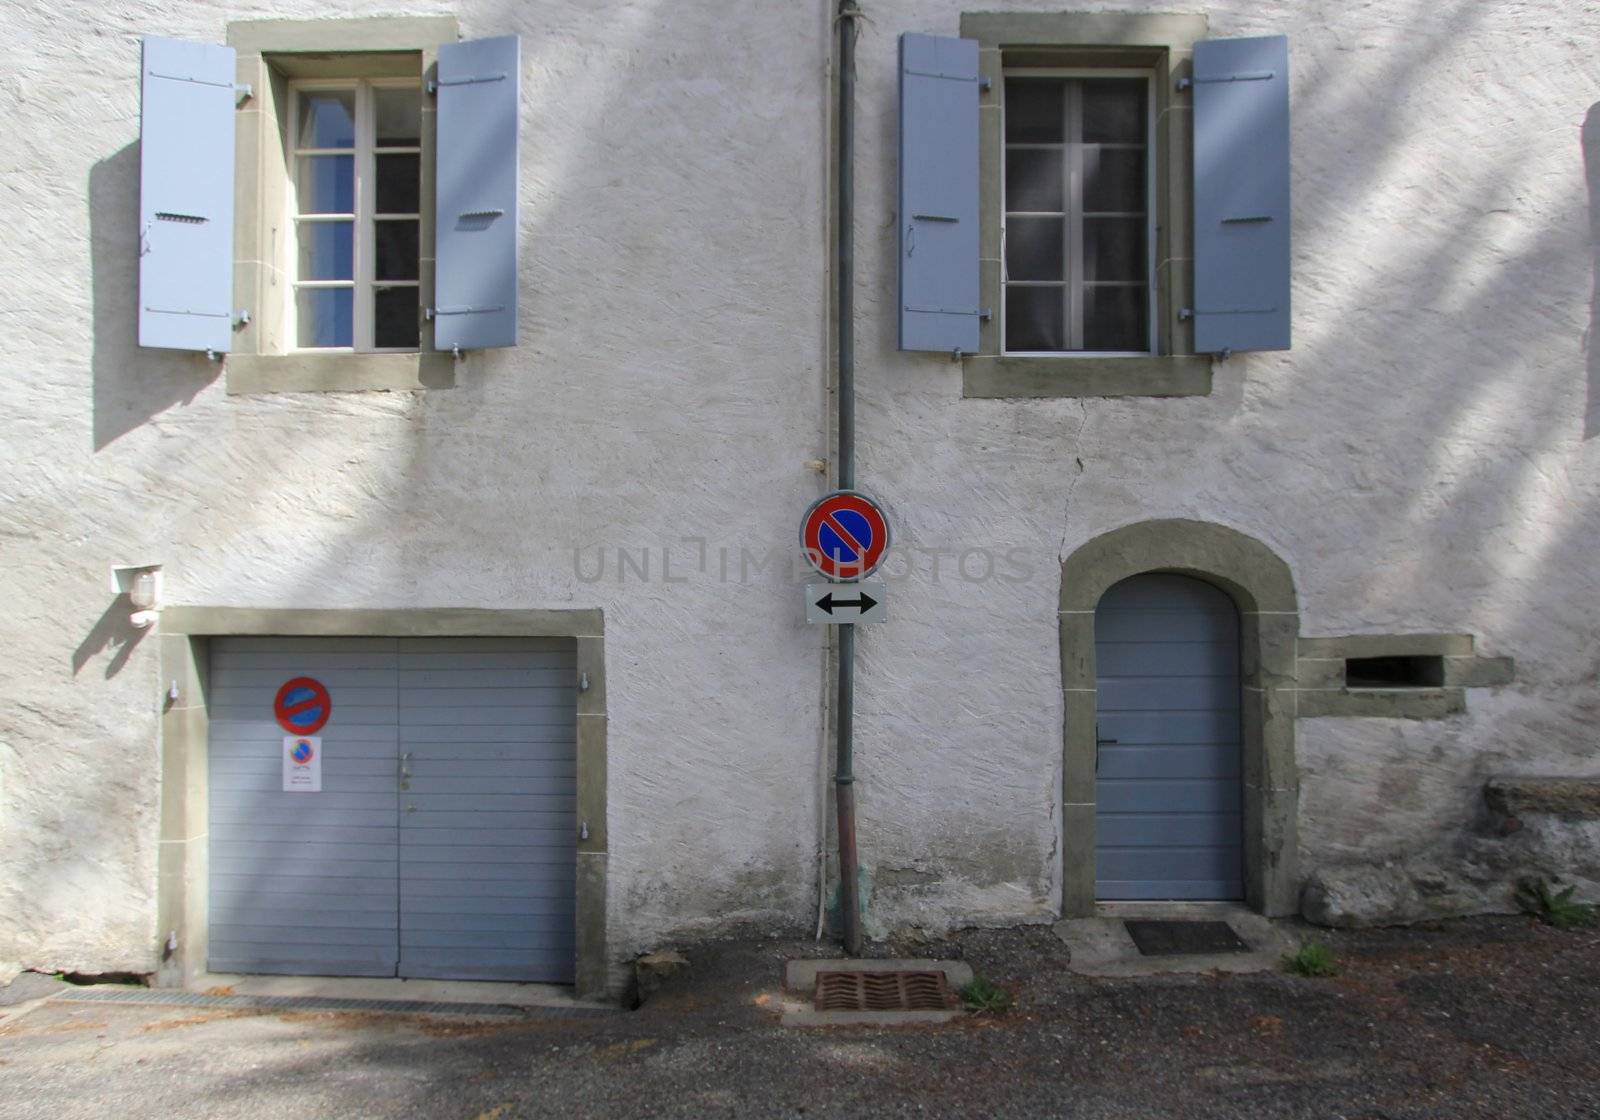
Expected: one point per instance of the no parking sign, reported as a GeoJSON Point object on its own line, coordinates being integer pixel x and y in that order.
{"type": "Point", "coordinates": [302, 706]}
{"type": "Point", "coordinates": [845, 535]}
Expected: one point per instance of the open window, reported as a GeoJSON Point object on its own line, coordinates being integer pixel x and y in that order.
{"type": "Point", "coordinates": [348, 191]}
{"type": "Point", "coordinates": [1092, 204]}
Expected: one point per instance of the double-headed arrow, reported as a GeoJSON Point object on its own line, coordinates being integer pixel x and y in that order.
{"type": "Point", "coordinates": [863, 604]}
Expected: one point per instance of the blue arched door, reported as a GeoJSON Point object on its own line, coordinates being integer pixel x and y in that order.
{"type": "Point", "coordinates": [1168, 757]}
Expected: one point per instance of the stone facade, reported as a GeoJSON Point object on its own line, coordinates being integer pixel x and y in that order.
{"type": "Point", "coordinates": [1420, 463]}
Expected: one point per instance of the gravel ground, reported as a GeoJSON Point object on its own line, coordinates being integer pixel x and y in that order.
{"type": "Point", "coordinates": [1486, 1017]}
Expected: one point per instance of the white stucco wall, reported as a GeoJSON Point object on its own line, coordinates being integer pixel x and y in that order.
{"type": "Point", "coordinates": [1419, 459]}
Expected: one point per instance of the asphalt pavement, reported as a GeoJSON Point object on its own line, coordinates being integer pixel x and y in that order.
{"type": "Point", "coordinates": [1492, 1017]}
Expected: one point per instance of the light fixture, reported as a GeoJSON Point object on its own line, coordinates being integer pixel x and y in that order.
{"type": "Point", "coordinates": [141, 583]}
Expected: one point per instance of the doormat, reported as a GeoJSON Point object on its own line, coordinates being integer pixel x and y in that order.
{"type": "Point", "coordinates": [1178, 939]}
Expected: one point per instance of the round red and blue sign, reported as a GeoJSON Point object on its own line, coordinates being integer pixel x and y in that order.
{"type": "Point", "coordinates": [302, 706]}
{"type": "Point", "coordinates": [845, 535]}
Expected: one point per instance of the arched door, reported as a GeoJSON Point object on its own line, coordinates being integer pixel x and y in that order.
{"type": "Point", "coordinates": [1168, 757]}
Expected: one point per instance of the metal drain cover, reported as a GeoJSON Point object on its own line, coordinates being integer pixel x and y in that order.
{"type": "Point", "coordinates": [882, 991]}
{"type": "Point", "coordinates": [1176, 939]}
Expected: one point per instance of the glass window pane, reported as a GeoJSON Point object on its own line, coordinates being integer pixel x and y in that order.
{"type": "Point", "coordinates": [1035, 318]}
{"type": "Point", "coordinates": [1113, 110]}
{"type": "Point", "coordinates": [328, 119]}
{"type": "Point", "coordinates": [1033, 179]}
{"type": "Point", "coordinates": [395, 256]}
{"type": "Point", "coordinates": [395, 318]}
{"type": "Point", "coordinates": [1033, 249]}
{"type": "Point", "coordinates": [399, 117]}
{"type": "Point", "coordinates": [327, 185]}
{"type": "Point", "coordinates": [1113, 248]}
{"type": "Point", "coordinates": [324, 317]}
{"type": "Point", "coordinates": [1034, 110]}
{"type": "Point", "coordinates": [1113, 179]}
{"type": "Point", "coordinates": [398, 189]}
{"type": "Point", "coordinates": [1114, 319]}
{"type": "Point", "coordinates": [327, 250]}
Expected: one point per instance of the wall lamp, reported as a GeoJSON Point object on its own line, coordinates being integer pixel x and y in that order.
{"type": "Point", "coordinates": [141, 583]}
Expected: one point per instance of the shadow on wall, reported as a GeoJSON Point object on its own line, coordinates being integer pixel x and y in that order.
{"type": "Point", "coordinates": [1591, 343]}
{"type": "Point", "coordinates": [131, 385]}
{"type": "Point", "coordinates": [111, 630]}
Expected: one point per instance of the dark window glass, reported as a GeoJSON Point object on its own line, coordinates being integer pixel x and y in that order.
{"type": "Point", "coordinates": [396, 245]}
{"type": "Point", "coordinates": [1035, 318]}
{"type": "Point", "coordinates": [1113, 319]}
{"type": "Point", "coordinates": [1113, 110]}
{"type": "Point", "coordinates": [1033, 111]}
{"type": "Point", "coordinates": [1034, 249]}
{"type": "Point", "coordinates": [395, 317]}
{"type": "Point", "coordinates": [1034, 180]}
{"type": "Point", "coordinates": [398, 186]}
{"type": "Point", "coordinates": [1113, 179]}
{"type": "Point", "coordinates": [1113, 249]}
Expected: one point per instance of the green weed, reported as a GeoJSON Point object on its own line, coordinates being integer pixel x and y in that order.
{"type": "Point", "coordinates": [980, 995]}
{"type": "Point", "coordinates": [1313, 958]}
{"type": "Point", "coordinates": [1555, 908]}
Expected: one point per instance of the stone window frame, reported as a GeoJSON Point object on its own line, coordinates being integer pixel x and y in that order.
{"type": "Point", "coordinates": [271, 54]}
{"type": "Point", "coordinates": [1164, 45]}
{"type": "Point", "coordinates": [183, 868]}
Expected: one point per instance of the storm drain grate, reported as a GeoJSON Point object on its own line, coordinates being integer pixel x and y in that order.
{"type": "Point", "coordinates": [168, 998]}
{"type": "Point", "coordinates": [1176, 939]}
{"type": "Point", "coordinates": [882, 991]}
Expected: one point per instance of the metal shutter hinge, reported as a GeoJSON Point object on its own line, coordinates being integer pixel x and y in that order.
{"type": "Point", "coordinates": [245, 93]}
{"type": "Point", "coordinates": [1253, 76]}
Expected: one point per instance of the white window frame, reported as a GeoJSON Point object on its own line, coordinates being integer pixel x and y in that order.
{"type": "Point", "coordinates": [363, 268]}
{"type": "Point", "coordinates": [1151, 177]}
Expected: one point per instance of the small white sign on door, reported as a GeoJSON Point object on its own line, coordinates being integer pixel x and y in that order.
{"type": "Point", "coordinates": [302, 764]}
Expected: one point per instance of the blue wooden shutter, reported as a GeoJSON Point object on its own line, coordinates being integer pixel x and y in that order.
{"type": "Point", "coordinates": [938, 193]}
{"type": "Point", "coordinates": [1241, 194]}
{"type": "Point", "coordinates": [186, 196]}
{"type": "Point", "coordinates": [475, 239]}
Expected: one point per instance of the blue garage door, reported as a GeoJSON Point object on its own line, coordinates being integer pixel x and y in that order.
{"type": "Point", "coordinates": [1167, 776]}
{"type": "Point", "coordinates": [442, 842]}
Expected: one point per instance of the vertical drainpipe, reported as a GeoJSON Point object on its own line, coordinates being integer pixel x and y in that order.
{"type": "Point", "coordinates": [844, 769]}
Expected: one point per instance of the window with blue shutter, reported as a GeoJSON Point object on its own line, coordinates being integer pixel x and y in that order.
{"type": "Point", "coordinates": [938, 218]}
{"type": "Point", "coordinates": [186, 131]}
{"type": "Point", "coordinates": [475, 302]}
{"type": "Point", "coordinates": [1241, 194]}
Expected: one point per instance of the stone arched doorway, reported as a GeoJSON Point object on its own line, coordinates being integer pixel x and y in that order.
{"type": "Point", "coordinates": [1262, 588]}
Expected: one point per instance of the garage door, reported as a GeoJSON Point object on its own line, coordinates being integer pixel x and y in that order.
{"type": "Point", "coordinates": [1167, 774]}
{"type": "Point", "coordinates": [443, 840]}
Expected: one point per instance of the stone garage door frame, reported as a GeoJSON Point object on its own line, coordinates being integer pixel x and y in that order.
{"type": "Point", "coordinates": [1262, 587]}
{"type": "Point", "coordinates": [182, 907]}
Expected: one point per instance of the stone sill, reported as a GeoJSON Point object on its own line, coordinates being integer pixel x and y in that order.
{"type": "Point", "coordinates": [997, 375]}
{"type": "Point", "coordinates": [1568, 798]}
{"type": "Point", "coordinates": [338, 373]}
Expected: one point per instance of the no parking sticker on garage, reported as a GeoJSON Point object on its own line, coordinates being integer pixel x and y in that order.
{"type": "Point", "coordinates": [845, 535]}
{"type": "Point", "coordinates": [302, 706]}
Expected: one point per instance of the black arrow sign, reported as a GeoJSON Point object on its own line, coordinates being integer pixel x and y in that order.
{"type": "Point", "coordinates": [828, 602]}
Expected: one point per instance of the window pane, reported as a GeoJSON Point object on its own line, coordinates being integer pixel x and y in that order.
{"type": "Point", "coordinates": [1113, 110]}
{"type": "Point", "coordinates": [1033, 180]}
{"type": "Point", "coordinates": [1035, 318]}
{"type": "Point", "coordinates": [395, 317]}
{"type": "Point", "coordinates": [1114, 319]}
{"type": "Point", "coordinates": [327, 250]}
{"type": "Point", "coordinates": [327, 185]}
{"type": "Point", "coordinates": [1033, 249]}
{"type": "Point", "coordinates": [399, 117]}
{"type": "Point", "coordinates": [1113, 179]}
{"type": "Point", "coordinates": [328, 119]}
{"type": "Point", "coordinates": [324, 316]}
{"type": "Point", "coordinates": [395, 257]}
{"type": "Point", "coordinates": [398, 190]}
{"type": "Point", "coordinates": [1113, 248]}
{"type": "Point", "coordinates": [1034, 110]}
